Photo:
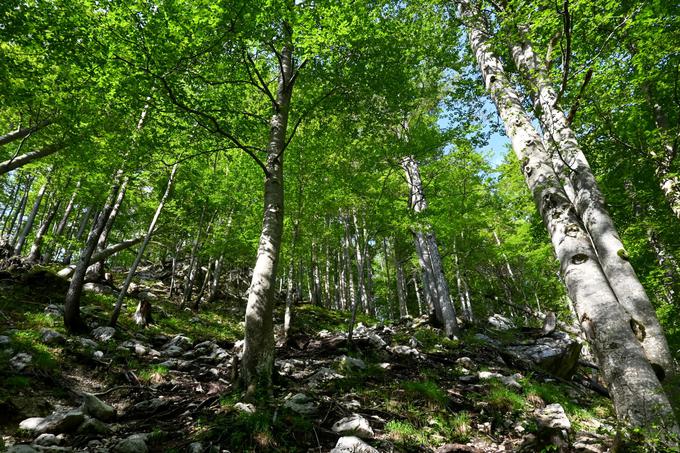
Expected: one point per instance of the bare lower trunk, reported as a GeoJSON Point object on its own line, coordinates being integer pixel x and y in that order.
{"type": "Point", "coordinates": [635, 389]}
{"type": "Point", "coordinates": [590, 206]}
{"type": "Point", "coordinates": [258, 351]}
{"type": "Point", "coordinates": [34, 255]}
{"type": "Point", "coordinates": [317, 297]}
{"type": "Point", "coordinates": [401, 288]}
{"type": "Point", "coordinates": [31, 219]}
{"type": "Point", "coordinates": [191, 271]}
{"type": "Point", "coordinates": [59, 228]}
{"type": "Point", "coordinates": [173, 271]}
{"type": "Point", "coordinates": [96, 270]}
{"type": "Point", "coordinates": [19, 215]}
{"type": "Point", "coordinates": [72, 319]}
{"type": "Point", "coordinates": [12, 204]}
{"type": "Point", "coordinates": [81, 230]}
{"type": "Point", "coordinates": [145, 311]}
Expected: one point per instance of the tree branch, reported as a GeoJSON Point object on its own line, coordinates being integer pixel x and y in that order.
{"type": "Point", "coordinates": [262, 86]}
{"type": "Point", "coordinates": [567, 54]}
{"type": "Point", "coordinates": [577, 101]}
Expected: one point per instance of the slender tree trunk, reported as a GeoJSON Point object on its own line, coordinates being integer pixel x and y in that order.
{"type": "Point", "coordinates": [328, 300]}
{"type": "Point", "coordinates": [34, 255]}
{"type": "Point", "coordinates": [317, 297]}
{"type": "Point", "coordinates": [59, 228]}
{"type": "Point", "coordinates": [12, 203]}
{"type": "Point", "coordinates": [291, 285]}
{"type": "Point", "coordinates": [28, 226]}
{"type": "Point", "coordinates": [590, 206]}
{"type": "Point", "coordinates": [20, 161]}
{"type": "Point", "coordinates": [72, 319]}
{"type": "Point", "coordinates": [204, 285]}
{"type": "Point", "coordinates": [96, 270]}
{"type": "Point", "coordinates": [428, 252]}
{"type": "Point", "coordinates": [81, 230]}
{"type": "Point", "coordinates": [258, 352]}
{"type": "Point", "coordinates": [143, 320]}
{"type": "Point", "coordinates": [421, 309]}
{"type": "Point", "coordinates": [363, 294]}
{"type": "Point", "coordinates": [173, 272]}
{"type": "Point", "coordinates": [401, 287]}
{"type": "Point", "coordinates": [191, 271]}
{"type": "Point", "coordinates": [18, 218]}
{"type": "Point", "coordinates": [635, 389]}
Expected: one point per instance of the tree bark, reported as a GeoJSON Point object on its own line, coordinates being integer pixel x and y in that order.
{"type": "Point", "coordinates": [258, 352]}
{"type": "Point", "coordinates": [26, 158]}
{"type": "Point", "coordinates": [96, 270]}
{"type": "Point", "coordinates": [72, 319]}
{"type": "Point", "coordinates": [635, 389]}
{"type": "Point", "coordinates": [401, 287]}
{"type": "Point", "coordinates": [140, 253]}
{"type": "Point", "coordinates": [23, 132]}
{"type": "Point", "coordinates": [18, 217]}
{"type": "Point", "coordinates": [31, 219]}
{"type": "Point", "coordinates": [34, 255]}
{"type": "Point", "coordinates": [11, 204]}
{"type": "Point", "coordinates": [191, 271]}
{"type": "Point", "coordinates": [59, 228]}
{"type": "Point", "coordinates": [590, 207]}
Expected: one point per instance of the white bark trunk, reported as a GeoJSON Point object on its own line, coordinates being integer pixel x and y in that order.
{"type": "Point", "coordinates": [31, 219]}
{"type": "Point", "coordinates": [636, 391]}
{"type": "Point", "coordinates": [590, 206]}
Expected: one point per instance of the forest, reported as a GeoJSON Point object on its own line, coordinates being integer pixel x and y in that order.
{"type": "Point", "coordinates": [346, 226]}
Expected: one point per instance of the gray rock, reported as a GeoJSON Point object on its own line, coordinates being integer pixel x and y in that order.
{"type": "Point", "coordinates": [97, 288]}
{"type": "Point", "coordinates": [176, 364]}
{"type": "Point", "coordinates": [47, 440]}
{"type": "Point", "coordinates": [5, 342]}
{"type": "Point", "coordinates": [133, 444]}
{"type": "Point", "coordinates": [140, 349]}
{"type": "Point", "coordinates": [466, 362]}
{"type": "Point", "coordinates": [54, 310]}
{"type": "Point", "coordinates": [147, 295]}
{"type": "Point", "coordinates": [352, 444]}
{"type": "Point", "coordinates": [180, 341]}
{"type": "Point", "coordinates": [48, 336]}
{"type": "Point", "coordinates": [355, 425]}
{"type": "Point", "coordinates": [324, 374]}
{"type": "Point", "coordinates": [301, 404]}
{"type": "Point", "coordinates": [552, 417]}
{"type": "Point", "coordinates": [245, 407]}
{"type": "Point", "coordinates": [557, 353]}
{"type": "Point", "coordinates": [350, 363]}
{"type": "Point", "coordinates": [405, 351]}
{"type": "Point", "coordinates": [56, 423]}
{"type": "Point", "coordinates": [375, 340]}
{"type": "Point", "coordinates": [103, 333]}
{"type": "Point", "coordinates": [510, 381]}
{"type": "Point", "coordinates": [93, 426]}
{"type": "Point", "coordinates": [21, 448]}
{"type": "Point", "coordinates": [20, 361]}
{"type": "Point", "coordinates": [151, 405]}
{"type": "Point", "coordinates": [98, 354]}
{"type": "Point", "coordinates": [98, 409]}
{"type": "Point", "coordinates": [500, 322]}
{"type": "Point", "coordinates": [66, 272]}
{"type": "Point", "coordinates": [172, 351]}
{"type": "Point", "coordinates": [589, 443]}
{"type": "Point", "coordinates": [195, 447]}
{"type": "Point", "coordinates": [87, 343]}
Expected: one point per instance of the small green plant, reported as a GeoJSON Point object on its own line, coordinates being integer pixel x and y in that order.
{"type": "Point", "coordinates": [403, 432]}
{"type": "Point", "coordinates": [152, 373]}
{"type": "Point", "coordinates": [504, 400]}
{"type": "Point", "coordinates": [428, 390]}
{"type": "Point", "coordinates": [460, 427]}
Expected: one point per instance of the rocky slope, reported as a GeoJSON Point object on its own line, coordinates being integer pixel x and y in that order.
{"type": "Point", "coordinates": [170, 387]}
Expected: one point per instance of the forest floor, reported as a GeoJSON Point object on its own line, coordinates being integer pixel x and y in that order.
{"type": "Point", "coordinates": [404, 387]}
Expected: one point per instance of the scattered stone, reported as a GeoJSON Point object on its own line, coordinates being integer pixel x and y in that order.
{"type": "Point", "coordinates": [375, 340]}
{"type": "Point", "coordinates": [5, 342]}
{"type": "Point", "coordinates": [355, 424]}
{"type": "Point", "coordinates": [22, 448]}
{"type": "Point", "coordinates": [180, 341]}
{"type": "Point", "coordinates": [97, 288]}
{"type": "Point", "coordinates": [552, 416]}
{"type": "Point", "coordinates": [324, 375]}
{"type": "Point", "coordinates": [466, 362]}
{"type": "Point", "coordinates": [93, 426]}
{"type": "Point", "coordinates": [350, 363]}
{"type": "Point", "coordinates": [136, 443]}
{"type": "Point", "coordinates": [48, 336]}
{"type": "Point", "coordinates": [103, 333]}
{"type": "Point", "coordinates": [557, 353]}
{"type": "Point", "coordinates": [301, 404]}
{"type": "Point", "coordinates": [20, 361]}
{"type": "Point", "coordinates": [247, 408]}
{"type": "Point", "coordinates": [56, 423]}
{"type": "Point", "coordinates": [510, 381]}
{"type": "Point", "coordinates": [589, 443]}
{"type": "Point", "coordinates": [87, 343]}
{"type": "Point", "coordinates": [195, 447]}
{"type": "Point", "coordinates": [151, 405]}
{"type": "Point", "coordinates": [66, 272]}
{"type": "Point", "coordinates": [54, 311]}
{"type": "Point", "coordinates": [172, 351]}
{"type": "Point", "coordinates": [500, 322]}
{"type": "Point", "coordinates": [176, 364]}
{"type": "Point", "coordinates": [98, 354]}
{"type": "Point", "coordinates": [484, 338]}
{"type": "Point", "coordinates": [405, 351]}
{"type": "Point", "coordinates": [385, 366]}
{"type": "Point", "coordinates": [140, 349]}
{"type": "Point", "coordinates": [47, 440]}
{"type": "Point", "coordinates": [352, 444]}
{"type": "Point", "coordinates": [98, 409]}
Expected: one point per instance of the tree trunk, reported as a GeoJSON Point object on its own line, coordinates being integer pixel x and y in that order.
{"type": "Point", "coordinates": [428, 253]}
{"type": "Point", "coordinates": [34, 255]}
{"type": "Point", "coordinates": [140, 254]}
{"type": "Point", "coordinates": [590, 206]}
{"type": "Point", "coordinates": [59, 229]}
{"type": "Point", "coordinates": [96, 270]}
{"type": "Point", "coordinates": [22, 132]}
{"type": "Point", "coordinates": [12, 203]}
{"type": "Point", "coordinates": [635, 389]}
{"type": "Point", "coordinates": [72, 319]}
{"type": "Point", "coordinates": [31, 219]}
{"type": "Point", "coordinates": [173, 271]}
{"type": "Point", "coordinates": [20, 161]}
{"type": "Point", "coordinates": [401, 287]}
{"type": "Point", "coordinates": [81, 230]}
{"type": "Point", "coordinates": [258, 351]}
{"type": "Point", "coordinates": [18, 218]}
{"type": "Point", "coordinates": [317, 298]}
{"type": "Point", "coordinates": [191, 271]}
{"type": "Point", "coordinates": [291, 284]}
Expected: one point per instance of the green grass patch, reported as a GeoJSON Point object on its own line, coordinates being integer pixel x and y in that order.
{"type": "Point", "coordinates": [427, 390]}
